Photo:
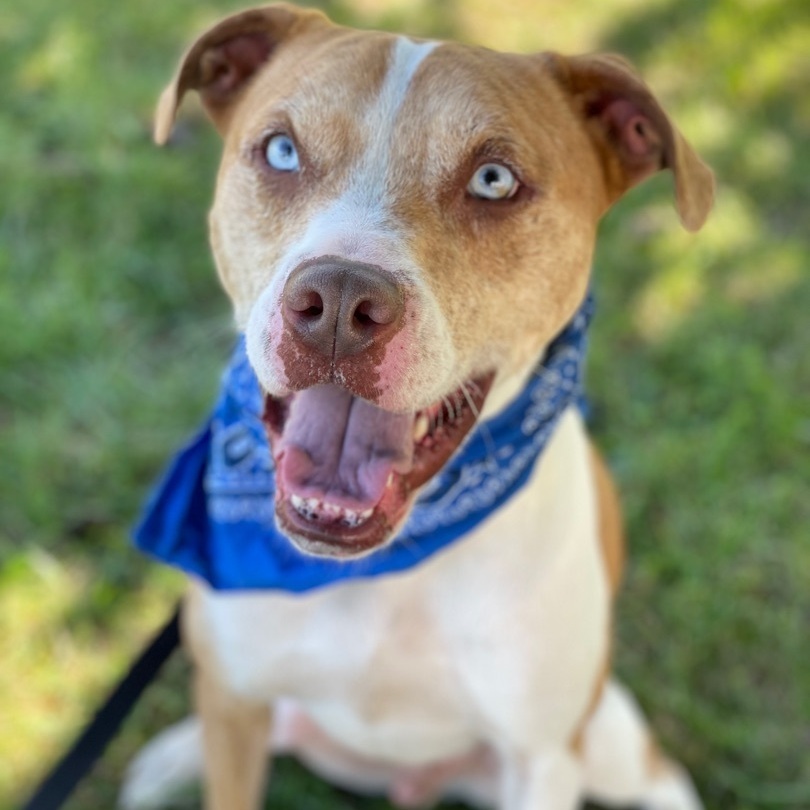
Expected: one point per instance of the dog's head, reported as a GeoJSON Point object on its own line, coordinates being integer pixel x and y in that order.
{"type": "Point", "coordinates": [403, 226]}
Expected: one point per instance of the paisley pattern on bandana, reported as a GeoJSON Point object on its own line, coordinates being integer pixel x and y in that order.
{"type": "Point", "coordinates": [212, 515]}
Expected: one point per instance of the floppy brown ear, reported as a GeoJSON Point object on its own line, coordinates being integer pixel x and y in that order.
{"type": "Point", "coordinates": [225, 58]}
{"type": "Point", "coordinates": [632, 133]}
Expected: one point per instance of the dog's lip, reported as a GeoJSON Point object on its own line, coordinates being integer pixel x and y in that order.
{"type": "Point", "coordinates": [339, 541]}
{"type": "Point", "coordinates": [440, 437]}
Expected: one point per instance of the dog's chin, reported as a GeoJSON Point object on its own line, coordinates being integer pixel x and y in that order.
{"type": "Point", "coordinates": [336, 540]}
{"type": "Point", "coordinates": [348, 473]}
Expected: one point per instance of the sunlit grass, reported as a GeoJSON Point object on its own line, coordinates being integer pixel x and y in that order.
{"type": "Point", "coordinates": [113, 331]}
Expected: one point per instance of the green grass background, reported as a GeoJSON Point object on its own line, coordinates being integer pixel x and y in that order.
{"type": "Point", "coordinates": [113, 331]}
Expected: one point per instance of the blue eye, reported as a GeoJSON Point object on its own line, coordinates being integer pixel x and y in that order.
{"type": "Point", "coordinates": [281, 154]}
{"type": "Point", "coordinates": [492, 181]}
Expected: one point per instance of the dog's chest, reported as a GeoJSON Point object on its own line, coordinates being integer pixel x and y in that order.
{"type": "Point", "coordinates": [506, 631]}
{"type": "Point", "coordinates": [374, 672]}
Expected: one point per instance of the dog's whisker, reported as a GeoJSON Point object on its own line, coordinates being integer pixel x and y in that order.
{"type": "Point", "coordinates": [486, 433]}
{"type": "Point", "coordinates": [450, 404]}
{"type": "Point", "coordinates": [474, 388]}
{"type": "Point", "coordinates": [440, 413]}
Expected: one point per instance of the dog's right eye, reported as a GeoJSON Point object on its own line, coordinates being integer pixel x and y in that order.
{"type": "Point", "coordinates": [281, 154]}
{"type": "Point", "coordinates": [493, 181]}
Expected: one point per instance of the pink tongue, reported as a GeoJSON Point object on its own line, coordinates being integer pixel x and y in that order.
{"type": "Point", "coordinates": [339, 448]}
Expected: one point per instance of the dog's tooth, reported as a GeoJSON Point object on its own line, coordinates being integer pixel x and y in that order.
{"type": "Point", "coordinates": [332, 509]}
{"type": "Point", "coordinates": [306, 507]}
{"type": "Point", "coordinates": [312, 508]}
{"type": "Point", "coordinates": [390, 480]}
{"type": "Point", "coordinates": [420, 427]}
{"type": "Point", "coordinates": [354, 518]}
{"type": "Point", "coordinates": [301, 506]}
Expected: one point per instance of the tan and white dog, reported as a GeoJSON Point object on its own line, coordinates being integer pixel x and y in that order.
{"type": "Point", "coordinates": [395, 221]}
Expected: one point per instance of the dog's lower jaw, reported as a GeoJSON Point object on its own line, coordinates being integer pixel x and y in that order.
{"type": "Point", "coordinates": [325, 535]}
{"type": "Point", "coordinates": [345, 503]}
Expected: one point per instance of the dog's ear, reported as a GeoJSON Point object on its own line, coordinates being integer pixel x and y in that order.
{"type": "Point", "coordinates": [222, 61]}
{"type": "Point", "coordinates": [633, 135]}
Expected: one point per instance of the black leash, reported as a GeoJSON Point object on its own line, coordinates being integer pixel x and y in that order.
{"type": "Point", "coordinates": [74, 765]}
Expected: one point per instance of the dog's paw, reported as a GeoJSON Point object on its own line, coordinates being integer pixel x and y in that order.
{"type": "Point", "coordinates": [168, 763]}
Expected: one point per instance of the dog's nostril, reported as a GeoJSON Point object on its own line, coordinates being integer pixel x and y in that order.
{"type": "Point", "coordinates": [309, 305]}
{"type": "Point", "coordinates": [364, 315]}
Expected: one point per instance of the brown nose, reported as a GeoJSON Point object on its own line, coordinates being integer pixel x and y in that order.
{"type": "Point", "coordinates": [341, 308]}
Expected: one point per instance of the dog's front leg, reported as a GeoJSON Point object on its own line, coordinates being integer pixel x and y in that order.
{"type": "Point", "coordinates": [235, 734]}
{"type": "Point", "coordinates": [551, 780]}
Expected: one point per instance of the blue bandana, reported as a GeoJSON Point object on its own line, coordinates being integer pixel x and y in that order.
{"type": "Point", "coordinates": [212, 515]}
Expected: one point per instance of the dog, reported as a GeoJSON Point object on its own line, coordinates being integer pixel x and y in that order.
{"type": "Point", "coordinates": [405, 229]}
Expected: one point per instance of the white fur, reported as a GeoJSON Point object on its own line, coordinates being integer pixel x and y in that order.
{"type": "Point", "coordinates": [170, 762]}
{"type": "Point", "coordinates": [409, 669]}
{"type": "Point", "coordinates": [357, 226]}
{"type": "Point", "coordinates": [358, 658]}
{"type": "Point", "coordinates": [618, 753]}
{"type": "Point", "coordinates": [673, 791]}
{"type": "Point", "coordinates": [333, 232]}
{"type": "Point", "coordinates": [615, 747]}
{"type": "Point", "coordinates": [419, 667]}
{"type": "Point", "coordinates": [368, 182]}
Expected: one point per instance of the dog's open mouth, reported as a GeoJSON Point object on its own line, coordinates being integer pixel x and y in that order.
{"type": "Point", "coordinates": [347, 471]}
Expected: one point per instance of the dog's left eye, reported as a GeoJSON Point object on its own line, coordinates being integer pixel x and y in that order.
{"type": "Point", "coordinates": [492, 181]}
{"type": "Point", "coordinates": [281, 153]}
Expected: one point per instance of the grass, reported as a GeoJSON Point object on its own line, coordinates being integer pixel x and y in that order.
{"type": "Point", "coordinates": [113, 330]}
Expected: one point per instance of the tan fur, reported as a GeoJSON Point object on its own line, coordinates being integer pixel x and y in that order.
{"type": "Point", "coordinates": [499, 645]}
{"type": "Point", "coordinates": [585, 77]}
{"type": "Point", "coordinates": [611, 534]}
{"type": "Point", "coordinates": [558, 160]}
{"type": "Point", "coordinates": [235, 730]}
{"type": "Point", "coordinates": [612, 546]}
{"type": "Point", "coordinates": [578, 738]}
{"type": "Point", "coordinates": [235, 736]}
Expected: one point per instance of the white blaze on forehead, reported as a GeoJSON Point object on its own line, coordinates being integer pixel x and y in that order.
{"type": "Point", "coordinates": [377, 124]}
{"type": "Point", "coordinates": [356, 224]}
{"type": "Point", "coordinates": [407, 57]}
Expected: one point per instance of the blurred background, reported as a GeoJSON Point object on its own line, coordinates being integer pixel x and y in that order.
{"type": "Point", "coordinates": [113, 331]}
